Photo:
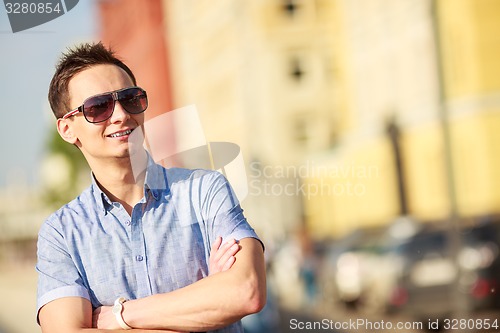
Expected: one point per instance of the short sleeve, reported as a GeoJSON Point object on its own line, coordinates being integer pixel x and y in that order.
{"type": "Point", "coordinates": [58, 276]}
{"type": "Point", "coordinates": [222, 211]}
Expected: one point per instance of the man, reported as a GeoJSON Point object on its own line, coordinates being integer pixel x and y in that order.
{"type": "Point", "coordinates": [131, 251]}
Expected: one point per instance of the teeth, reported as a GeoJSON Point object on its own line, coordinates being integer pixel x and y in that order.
{"type": "Point", "coordinates": [116, 135]}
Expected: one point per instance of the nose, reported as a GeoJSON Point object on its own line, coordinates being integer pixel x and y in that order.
{"type": "Point", "coordinates": [119, 114]}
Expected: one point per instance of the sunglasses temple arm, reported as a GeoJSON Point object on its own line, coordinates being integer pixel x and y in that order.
{"type": "Point", "coordinates": [71, 113]}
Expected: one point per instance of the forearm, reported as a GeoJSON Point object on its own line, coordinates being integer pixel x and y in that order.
{"type": "Point", "coordinates": [205, 305]}
{"type": "Point", "coordinates": [74, 315]}
{"type": "Point", "coordinates": [96, 330]}
{"type": "Point", "coordinates": [58, 329]}
{"type": "Point", "coordinates": [210, 303]}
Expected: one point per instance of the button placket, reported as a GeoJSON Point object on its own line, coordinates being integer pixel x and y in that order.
{"type": "Point", "coordinates": [121, 214]}
{"type": "Point", "coordinates": [139, 253]}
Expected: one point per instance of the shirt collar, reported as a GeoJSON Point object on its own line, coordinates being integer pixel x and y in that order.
{"type": "Point", "coordinates": [156, 179]}
{"type": "Point", "coordinates": [155, 182]}
{"type": "Point", "coordinates": [102, 200]}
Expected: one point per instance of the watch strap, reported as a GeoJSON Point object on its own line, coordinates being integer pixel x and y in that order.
{"type": "Point", "coordinates": [118, 311]}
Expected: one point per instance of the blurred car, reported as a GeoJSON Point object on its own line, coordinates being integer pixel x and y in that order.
{"type": "Point", "coordinates": [340, 276]}
{"type": "Point", "coordinates": [428, 283]}
{"type": "Point", "coordinates": [359, 271]}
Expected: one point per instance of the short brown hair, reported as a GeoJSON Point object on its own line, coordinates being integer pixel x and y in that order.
{"type": "Point", "coordinates": [74, 61]}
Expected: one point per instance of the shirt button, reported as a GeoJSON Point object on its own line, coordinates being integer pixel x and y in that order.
{"type": "Point", "coordinates": [139, 258]}
{"type": "Point", "coordinates": [127, 222]}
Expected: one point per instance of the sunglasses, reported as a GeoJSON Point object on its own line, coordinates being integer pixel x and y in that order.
{"type": "Point", "coordinates": [100, 107]}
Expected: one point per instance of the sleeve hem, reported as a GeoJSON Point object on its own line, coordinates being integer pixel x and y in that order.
{"type": "Point", "coordinates": [240, 234]}
{"type": "Point", "coordinates": [66, 291]}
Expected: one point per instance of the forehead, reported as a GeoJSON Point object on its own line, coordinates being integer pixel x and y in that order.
{"type": "Point", "coordinates": [96, 80]}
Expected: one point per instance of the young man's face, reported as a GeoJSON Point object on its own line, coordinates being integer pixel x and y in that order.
{"type": "Point", "coordinates": [94, 139]}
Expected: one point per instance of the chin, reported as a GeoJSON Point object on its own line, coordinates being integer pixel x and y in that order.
{"type": "Point", "coordinates": [123, 154]}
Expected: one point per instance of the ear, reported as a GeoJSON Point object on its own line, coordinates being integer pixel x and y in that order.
{"type": "Point", "coordinates": [65, 130]}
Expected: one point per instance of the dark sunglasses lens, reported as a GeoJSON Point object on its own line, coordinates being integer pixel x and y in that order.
{"type": "Point", "coordinates": [133, 100]}
{"type": "Point", "coordinates": [98, 108]}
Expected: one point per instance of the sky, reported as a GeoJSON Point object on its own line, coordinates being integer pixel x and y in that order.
{"type": "Point", "coordinates": [27, 64]}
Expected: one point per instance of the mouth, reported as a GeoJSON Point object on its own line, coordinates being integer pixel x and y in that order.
{"type": "Point", "coordinates": [120, 134]}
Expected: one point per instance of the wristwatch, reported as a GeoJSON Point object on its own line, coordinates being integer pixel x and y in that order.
{"type": "Point", "coordinates": [117, 311]}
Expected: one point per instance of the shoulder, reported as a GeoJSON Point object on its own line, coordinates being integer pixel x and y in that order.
{"type": "Point", "coordinates": [199, 185]}
{"type": "Point", "coordinates": [77, 209]}
{"type": "Point", "coordinates": [191, 177]}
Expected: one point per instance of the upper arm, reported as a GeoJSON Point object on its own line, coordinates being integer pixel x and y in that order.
{"type": "Point", "coordinates": [251, 256]}
{"type": "Point", "coordinates": [65, 315]}
{"type": "Point", "coordinates": [224, 216]}
{"type": "Point", "coordinates": [250, 269]}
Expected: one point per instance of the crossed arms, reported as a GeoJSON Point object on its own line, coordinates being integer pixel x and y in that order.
{"type": "Point", "coordinates": [213, 302]}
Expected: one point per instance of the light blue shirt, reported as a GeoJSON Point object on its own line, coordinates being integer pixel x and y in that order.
{"type": "Point", "coordinates": [92, 248]}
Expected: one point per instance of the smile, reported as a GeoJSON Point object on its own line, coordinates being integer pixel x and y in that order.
{"type": "Point", "coordinates": [119, 134]}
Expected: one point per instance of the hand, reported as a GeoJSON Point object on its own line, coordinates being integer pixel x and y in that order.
{"type": "Point", "coordinates": [222, 257]}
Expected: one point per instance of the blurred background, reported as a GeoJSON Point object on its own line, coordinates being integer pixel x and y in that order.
{"type": "Point", "coordinates": [370, 131]}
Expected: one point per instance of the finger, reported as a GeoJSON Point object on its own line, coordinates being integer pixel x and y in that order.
{"type": "Point", "coordinates": [237, 247]}
{"type": "Point", "coordinates": [219, 257]}
{"type": "Point", "coordinates": [214, 255]}
{"type": "Point", "coordinates": [217, 243]}
{"type": "Point", "coordinates": [224, 248]}
{"type": "Point", "coordinates": [229, 263]}
{"type": "Point", "coordinates": [228, 253]}
{"type": "Point", "coordinates": [231, 251]}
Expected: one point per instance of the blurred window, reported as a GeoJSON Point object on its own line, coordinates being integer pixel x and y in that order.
{"type": "Point", "coordinates": [296, 69]}
{"type": "Point", "coordinates": [290, 7]}
{"type": "Point", "coordinates": [301, 130]}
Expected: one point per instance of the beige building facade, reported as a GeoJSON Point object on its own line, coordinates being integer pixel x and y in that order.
{"type": "Point", "coordinates": [262, 75]}
{"type": "Point", "coordinates": [338, 105]}
{"type": "Point", "coordinates": [422, 64]}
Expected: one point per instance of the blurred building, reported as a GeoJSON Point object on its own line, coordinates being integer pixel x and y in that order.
{"type": "Point", "coordinates": [388, 75]}
{"type": "Point", "coordinates": [403, 62]}
{"type": "Point", "coordinates": [337, 105]}
{"type": "Point", "coordinates": [470, 35]}
{"type": "Point", "coordinates": [261, 74]}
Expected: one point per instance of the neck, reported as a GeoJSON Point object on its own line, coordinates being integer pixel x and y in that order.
{"type": "Point", "coordinates": [116, 178]}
